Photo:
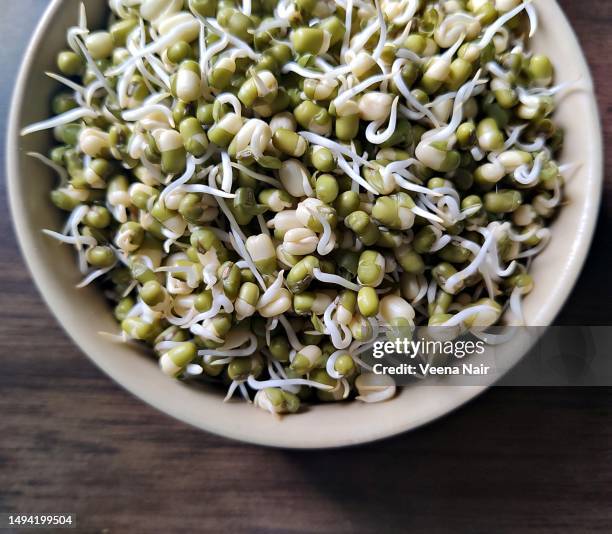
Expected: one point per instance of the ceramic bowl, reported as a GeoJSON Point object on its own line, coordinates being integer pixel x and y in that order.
{"type": "Point", "coordinates": [84, 313]}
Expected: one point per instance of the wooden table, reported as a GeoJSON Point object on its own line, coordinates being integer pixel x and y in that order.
{"type": "Point", "coordinates": [514, 460]}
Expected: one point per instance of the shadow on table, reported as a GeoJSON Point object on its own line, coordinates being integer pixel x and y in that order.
{"type": "Point", "coordinates": [588, 303]}
{"type": "Point", "coordinates": [521, 455]}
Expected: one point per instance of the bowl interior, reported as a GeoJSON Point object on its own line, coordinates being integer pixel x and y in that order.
{"type": "Point", "coordinates": [84, 313]}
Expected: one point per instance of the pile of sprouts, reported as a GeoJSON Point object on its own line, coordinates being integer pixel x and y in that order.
{"type": "Point", "coordinates": [261, 189]}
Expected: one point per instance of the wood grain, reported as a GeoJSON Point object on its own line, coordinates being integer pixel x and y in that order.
{"type": "Point", "coordinates": [515, 460]}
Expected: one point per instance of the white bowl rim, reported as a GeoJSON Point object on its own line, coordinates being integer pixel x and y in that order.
{"type": "Point", "coordinates": [460, 394]}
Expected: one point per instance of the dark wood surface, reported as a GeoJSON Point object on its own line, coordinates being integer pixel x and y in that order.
{"type": "Point", "coordinates": [514, 460]}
